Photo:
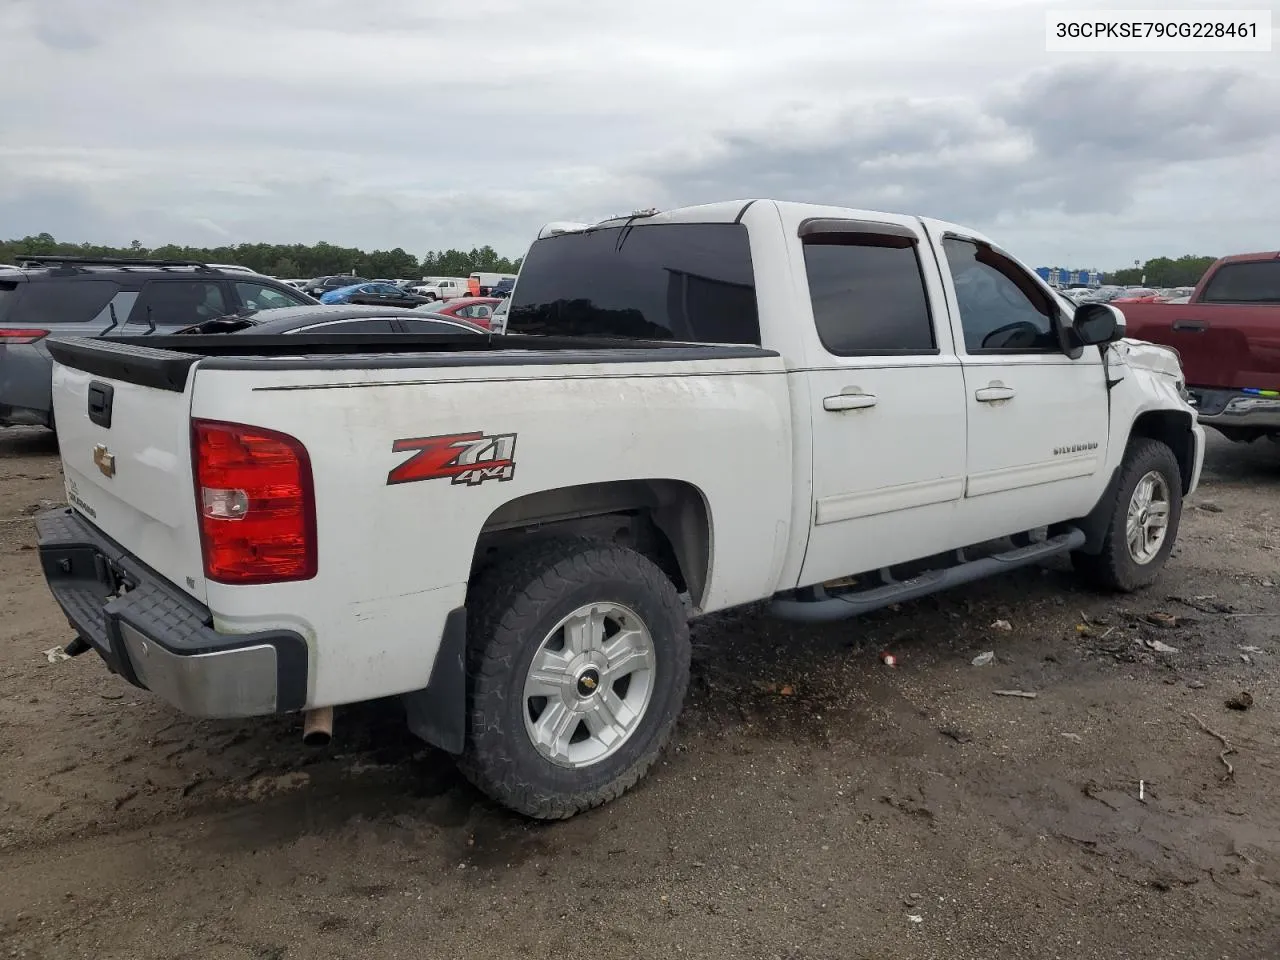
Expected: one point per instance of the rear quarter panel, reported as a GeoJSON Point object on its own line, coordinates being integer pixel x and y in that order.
{"type": "Point", "coordinates": [394, 558]}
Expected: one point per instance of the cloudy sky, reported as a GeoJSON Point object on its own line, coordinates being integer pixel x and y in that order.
{"type": "Point", "coordinates": [384, 123]}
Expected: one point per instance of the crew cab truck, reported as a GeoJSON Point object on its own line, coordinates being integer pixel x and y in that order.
{"type": "Point", "coordinates": [831, 409]}
{"type": "Point", "coordinates": [1228, 335]}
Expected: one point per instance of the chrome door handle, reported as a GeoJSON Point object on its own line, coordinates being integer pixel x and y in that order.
{"type": "Point", "coordinates": [850, 401]}
{"type": "Point", "coordinates": [993, 392]}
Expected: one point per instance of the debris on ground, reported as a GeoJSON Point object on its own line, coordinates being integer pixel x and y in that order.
{"type": "Point", "coordinates": [1242, 702]}
{"type": "Point", "coordinates": [888, 659]}
{"type": "Point", "coordinates": [983, 659]}
{"type": "Point", "coordinates": [787, 690]}
{"type": "Point", "coordinates": [1084, 630]}
{"type": "Point", "coordinates": [915, 918]}
{"type": "Point", "coordinates": [1025, 694]}
{"type": "Point", "coordinates": [1158, 646]}
{"type": "Point", "coordinates": [56, 655]}
{"type": "Point", "coordinates": [1250, 649]}
{"type": "Point", "coordinates": [1196, 684]}
{"type": "Point", "coordinates": [1227, 749]}
{"type": "Point", "coordinates": [1003, 625]}
{"type": "Point", "coordinates": [1161, 619]}
{"type": "Point", "coordinates": [1209, 507]}
{"type": "Point", "coordinates": [1205, 604]}
{"type": "Point", "coordinates": [1073, 737]}
{"type": "Point", "coordinates": [1246, 658]}
{"type": "Point", "coordinates": [959, 736]}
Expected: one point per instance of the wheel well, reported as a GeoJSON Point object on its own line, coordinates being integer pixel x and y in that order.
{"type": "Point", "coordinates": [1173, 429]}
{"type": "Point", "coordinates": [665, 520]}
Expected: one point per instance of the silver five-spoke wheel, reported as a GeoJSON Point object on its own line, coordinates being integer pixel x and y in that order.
{"type": "Point", "coordinates": [1147, 520]}
{"type": "Point", "coordinates": [589, 684]}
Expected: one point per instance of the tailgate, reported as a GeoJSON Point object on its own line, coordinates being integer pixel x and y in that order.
{"type": "Point", "coordinates": [124, 433]}
{"type": "Point", "coordinates": [1228, 346]}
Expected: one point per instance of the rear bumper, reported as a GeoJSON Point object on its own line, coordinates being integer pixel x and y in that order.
{"type": "Point", "coordinates": [160, 639]}
{"type": "Point", "coordinates": [1234, 408]}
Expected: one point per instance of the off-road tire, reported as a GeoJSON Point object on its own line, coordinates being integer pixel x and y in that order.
{"type": "Point", "coordinates": [512, 605]}
{"type": "Point", "coordinates": [1114, 568]}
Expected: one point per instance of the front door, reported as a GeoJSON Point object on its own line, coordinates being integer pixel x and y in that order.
{"type": "Point", "coordinates": [885, 394]}
{"type": "Point", "coordinates": [1037, 416]}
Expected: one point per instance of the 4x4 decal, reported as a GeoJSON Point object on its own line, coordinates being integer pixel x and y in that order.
{"type": "Point", "coordinates": [470, 458]}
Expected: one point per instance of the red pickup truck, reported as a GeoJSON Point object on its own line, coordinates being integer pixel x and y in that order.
{"type": "Point", "coordinates": [1228, 334]}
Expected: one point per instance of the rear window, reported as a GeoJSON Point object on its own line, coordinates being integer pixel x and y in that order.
{"type": "Point", "coordinates": [44, 303]}
{"type": "Point", "coordinates": [678, 281]}
{"type": "Point", "coordinates": [1245, 283]}
{"type": "Point", "coordinates": [8, 294]}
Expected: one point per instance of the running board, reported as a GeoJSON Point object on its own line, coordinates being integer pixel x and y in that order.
{"type": "Point", "coordinates": [824, 608]}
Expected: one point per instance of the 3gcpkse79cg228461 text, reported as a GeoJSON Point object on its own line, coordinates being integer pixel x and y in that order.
{"type": "Point", "coordinates": [715, 405]}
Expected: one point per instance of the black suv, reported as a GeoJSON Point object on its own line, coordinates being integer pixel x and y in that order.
{"type": "Point", "coordinates": [103, 296]}
{"type": "Point", "coordinates": [322, 285]}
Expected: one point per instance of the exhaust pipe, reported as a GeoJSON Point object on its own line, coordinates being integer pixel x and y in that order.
{"type": "Point", "coordinates": [317, 727]}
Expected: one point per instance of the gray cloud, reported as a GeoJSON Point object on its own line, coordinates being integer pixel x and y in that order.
{"type": "Point", "coordinates": [396, 125]}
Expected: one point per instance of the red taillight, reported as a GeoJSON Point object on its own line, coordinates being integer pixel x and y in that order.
{"type": "Point", "coordinates": [16, 335]}
{"type": "Point", "coordinates": [256, 503]}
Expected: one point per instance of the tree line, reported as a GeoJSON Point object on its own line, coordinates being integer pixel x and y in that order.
{"type": "Point", "coordinates": [1186, 271]}
{"type": "Point", "coordinates": [287, 261]}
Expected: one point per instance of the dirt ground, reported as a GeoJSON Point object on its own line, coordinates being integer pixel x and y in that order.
{"type": "Point", "coordinates": [815, 803]}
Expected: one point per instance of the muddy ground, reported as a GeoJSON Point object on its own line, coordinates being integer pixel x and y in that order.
{"type": "Point", "coordinates": [815, 803]}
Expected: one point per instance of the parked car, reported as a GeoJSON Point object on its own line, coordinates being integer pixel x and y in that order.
{"type": "Point", "coordinates": [375, 295]}
{"type": "Point", "coordinates": [476, 309]}
{"type": "Point", "coordinates": [1228, 334]}
{"type": "Point", "coordinates": [104, 296]}
{"type": "Point", "coordinates": [339, 318]}
{"type": "Point", "coordinates": [503, 287]}
{"type": "Point", "coordinates": [830, 410]}
{"type": "Point", "coordinates": [322, 285]}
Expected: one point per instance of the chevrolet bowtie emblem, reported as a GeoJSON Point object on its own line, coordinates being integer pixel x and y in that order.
{"type": "Point", "coordinates": [105, 460]}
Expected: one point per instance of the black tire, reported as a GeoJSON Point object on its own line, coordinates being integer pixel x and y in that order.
{"type": "Point", "coordinates": [512, 606]}
{"type": "Point", "coordinates": [1114, 568]}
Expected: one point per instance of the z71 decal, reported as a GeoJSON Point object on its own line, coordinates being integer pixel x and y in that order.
{"type": "Point", "coordinates": [470, 458]}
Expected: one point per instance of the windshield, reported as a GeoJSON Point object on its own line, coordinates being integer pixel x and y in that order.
{"type": "Point", "coordinates": [689, 282]}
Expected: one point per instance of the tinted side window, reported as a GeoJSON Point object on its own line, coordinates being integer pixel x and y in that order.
{"type": "Point", "coordinates": [868, 294]}
{"type": "Point", "coordinates": [676, 281]}
{"type": "Point", "coordinates": [1245, 283]}
{"type": "Point", "coordinates": [1001, 309]}
{"type": "Point", "coordinates": [180, 302]}
{"type": "Point", "coordinates": [72, 301]}
{"type": "Point", "coordinates": [256, 296]}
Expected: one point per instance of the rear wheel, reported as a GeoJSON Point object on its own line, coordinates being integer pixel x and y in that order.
{"type": "Point", "coordinates": [578, 665]}
{"type": "Point", "coordinates": [1144, 520]}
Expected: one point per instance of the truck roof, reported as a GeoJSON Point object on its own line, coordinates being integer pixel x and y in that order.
{"type": "Point", "coordinates": [732, 211]}
{"type": "Point", "coordinates": [1251, 257]}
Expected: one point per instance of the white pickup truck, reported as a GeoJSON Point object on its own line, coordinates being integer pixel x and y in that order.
{"type": "Point", "coordinates": [832, 409]}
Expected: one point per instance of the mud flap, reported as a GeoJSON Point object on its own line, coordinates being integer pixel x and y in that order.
{"type": "Point", "coordinates": [438, 712]}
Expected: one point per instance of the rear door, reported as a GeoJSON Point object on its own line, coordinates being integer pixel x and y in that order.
{"type": "Point", "coordinates": [886, 397]}
{"type": "Point", "coordinates": [126, 454]}
{"type": "Point", "coordinates": [1231, 338]}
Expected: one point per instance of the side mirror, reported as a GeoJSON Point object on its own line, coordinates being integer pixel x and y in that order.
{"type": "Point", "coordinates": [1095, 323]}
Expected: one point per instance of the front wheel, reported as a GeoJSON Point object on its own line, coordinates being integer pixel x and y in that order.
{"type": "Point", "coordinates": [1144, 521]}
{"type": "Point", "coordinates": [578, 666]}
